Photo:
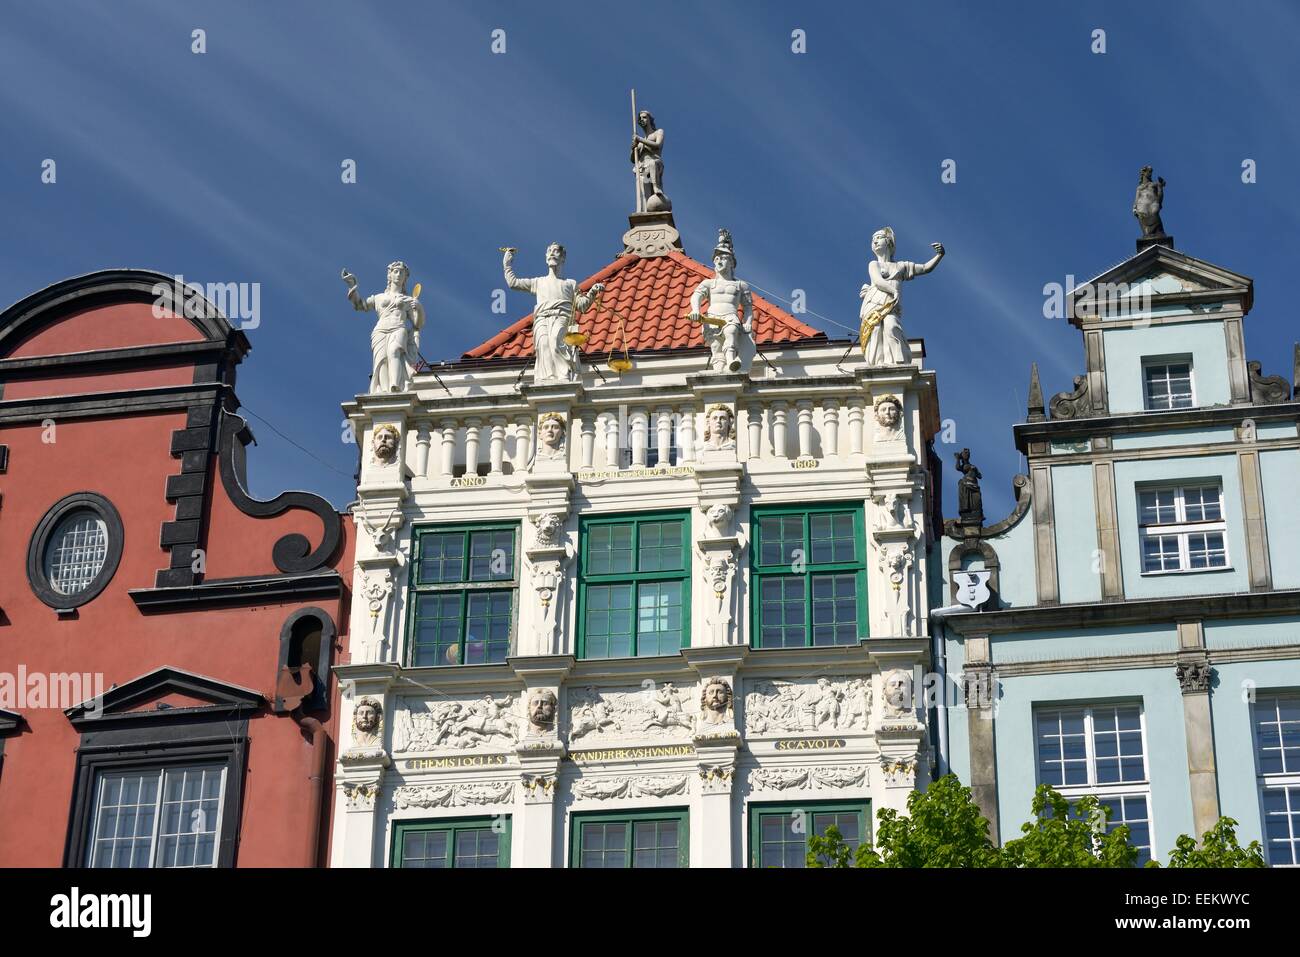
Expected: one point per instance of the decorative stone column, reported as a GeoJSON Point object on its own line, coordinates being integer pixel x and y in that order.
{"type": "Point", "coordinates": [540, 751]}
{"type": "Point", "coordinates": [523, 442]}
{"type": "Point", "coordinates": [805, 410]}
{"type": "Point", "coordinates": [422, 453]}
{"type": "Point", "coordinates": [779, 447]}
{"type": "Point", "coordinates": [639, 438]}
{"type": "Point", "coordinates": [857, 414]}
{"type": "Point", "coordinates": [1194, 679]}
{"type": "Point", "coordinates": [978, 684]}
{"type": "Point", "coordinates": [686, 436]}
{"type": "Point", "coordinates": [496, 444]}
{"type": "Point", "coordinates": [359, 778]}
{"type": "Point", "coordinates": [754, 419]}
{"type": "Point", "coordinates": [664, 435]}
{"type": "Point", "coordinates": [717, 742]}
{"type": "Point", "coordinates": [587, 429]}
{"type": "Point", "coordinates": [830, 428]}
{"type": "Point", "coordinates": [448, 461]}
{"type": "Point", "coordinates": [471, 445]}
{"type": "Point", "coordinates": [611, 441]}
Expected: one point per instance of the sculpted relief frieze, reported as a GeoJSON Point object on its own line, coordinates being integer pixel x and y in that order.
{"type": "Point", "coordinates": [816, 778]}
{"type": "Point", "coordinates": [807, 706]}
{"type": "Point", "coordinates": [448, 724]}
{"type": "Point", "coordinates": [662, 712]}
{"type": "Point", "coordinates": [454, 795]}
{"type": "Point", "coordinates": [647, 785]}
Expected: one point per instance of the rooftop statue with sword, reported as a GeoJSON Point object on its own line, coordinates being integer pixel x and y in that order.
{"type": "Point", "coordinates": [731, 308]}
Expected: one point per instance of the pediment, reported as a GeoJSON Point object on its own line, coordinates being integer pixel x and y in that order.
{"type": "Point", "coordinates": [1161, 275]}
{"type": "Point", "coordinates": [166, 693]}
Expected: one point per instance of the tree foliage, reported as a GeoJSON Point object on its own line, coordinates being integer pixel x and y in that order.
{"type": "Point", "coordinates": [944, 828]}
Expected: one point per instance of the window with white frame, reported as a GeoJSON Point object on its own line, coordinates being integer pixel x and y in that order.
{"type": "Point", "coordinates": [159, 817]}
{"type": "Point", "coordinates": [1099, 750]}
{"type": "Point", "coordinates": [1182, 528]}
{"type": "Point", "coordinates": [1167, 384]}
{"type": "Point", "coordinates": [1277, 757]}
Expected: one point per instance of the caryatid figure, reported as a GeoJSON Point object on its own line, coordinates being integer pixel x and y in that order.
{"type": "Point", "coordinates": [558, 302]}
{"type": "Point", "coordinates": [731, 308]}
{"type": "Point", "coordinates": [881, 334]}
{"type": "Point", "coordinates": [648, 161]}
{"type": "Point", "coordinates": [395, 341]}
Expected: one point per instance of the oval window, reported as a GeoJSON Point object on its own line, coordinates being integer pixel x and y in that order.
{"type": "Point", "coordinates": [74, 550]}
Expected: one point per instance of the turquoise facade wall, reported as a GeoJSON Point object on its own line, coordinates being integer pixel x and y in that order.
{"type": "Point", "coordinates": [1078, 561]}
{"type": "Point", "coordinates": [1166, 742]}
{"type": "Point", "coordinates": [1202, 340]}
{"type": "Point", "coordinates": [1280, 471]}
{"type": "Point", "coordinates": [1219, 468]}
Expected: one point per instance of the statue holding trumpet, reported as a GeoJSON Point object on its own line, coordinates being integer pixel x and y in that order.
{"type": "Point", "coordinates": [731, 308]}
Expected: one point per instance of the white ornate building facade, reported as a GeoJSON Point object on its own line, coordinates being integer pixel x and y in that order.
{"type": "Point", "coordinates": [659, 600]}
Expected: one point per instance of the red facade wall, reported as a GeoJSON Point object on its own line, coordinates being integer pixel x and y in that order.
{"type": "Point", "coordinates": [127, 458]}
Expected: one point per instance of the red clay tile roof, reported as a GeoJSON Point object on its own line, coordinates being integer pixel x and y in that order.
{"type": "Point", "coordinates": [654, 296]}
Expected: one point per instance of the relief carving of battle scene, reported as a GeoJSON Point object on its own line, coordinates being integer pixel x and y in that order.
{"type": "Point", "coordinates": [776, 707]}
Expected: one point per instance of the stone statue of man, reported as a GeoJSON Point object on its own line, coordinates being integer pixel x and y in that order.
{"type": "Point", "coordinates": [558, 303]}
{"type": "Point", "coordinates": [648, 161]}
{"type": "Point", "coordinates": [395, 340]}
{"type": "Point", "coordinates": [730, 302]}
{"type": "Point", "coordinates": [1147, 201]}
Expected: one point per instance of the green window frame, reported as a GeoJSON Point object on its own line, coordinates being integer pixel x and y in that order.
{"type": "Point", "coordinates": [825, 603]}
{"type": "Point", "coordinates": [630, 839]}
{"type": "Point", "coordinates": [774, 841]}
{"type": "Point", "coordinates": [634, 591]}
{"type": "Point", "coordinates": [455, 842]}
{"type": "Point", "coordinates": [463, 603]}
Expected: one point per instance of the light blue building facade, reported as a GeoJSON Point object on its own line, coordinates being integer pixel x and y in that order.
{"type": "Point", "coordinates": [1141, 636]}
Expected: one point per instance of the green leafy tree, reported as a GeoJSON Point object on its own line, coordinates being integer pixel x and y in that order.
{"type": "Point", "coordinates": [942, 828]}
{"type": "Point", "coordinates": [1218, 848]}
{"type": "Point", "coordinates": [1064, 836]}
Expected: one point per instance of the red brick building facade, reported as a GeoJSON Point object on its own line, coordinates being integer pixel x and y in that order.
{"type": "Point", "coordinates": [165, 639]}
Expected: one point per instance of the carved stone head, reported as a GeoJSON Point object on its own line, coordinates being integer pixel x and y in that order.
{"type": "Point", "coordinates": [715, 700]}
{"type": "Point", "coordinates": [542, 705]}
{"type": "Point", "coordinates": [555, 255]}
{"type": "Point", "coordinates": [550, 434]}
{"type": "Point", "coordinates": [367, 718]}
{"type": "Point", "coordinates": [889, 413]}
{"type": "Point", "coordinates": [398, 274]}
{"type": "Point", "coordinates": [719, 518]}
{"type": "Point", "coordinates": [719, 426]}
{"type": "Point", "coordinates": [882, 241]}
{"type": "Point", "coordinates": [550, 526]}
{"type": "Point", "coordinates": [384, 444]}
{"type": "Point", "coordinates": [898, 693]}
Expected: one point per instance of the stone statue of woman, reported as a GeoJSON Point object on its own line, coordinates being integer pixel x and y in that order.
{"type": "Point", "coordinates": [395, 340]}
{"type": "Point", "coordinates": [882, 339]}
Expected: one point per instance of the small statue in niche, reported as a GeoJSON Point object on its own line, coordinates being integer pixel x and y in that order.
{"type": "Point", "coordinates": [889, 419]}
{"type": "Point", "coordinates": [731, 308]}
{"type": "Point", "coordinates": [1147, 202]}
{"type": "Point", "coordinates": [395, 341]}
{"type": "Point", "coordinates": [970, 501]}
{"type": "Point", "coordinates": [367, 723]}
{"type": "Point", "coordinates": [719, 427]}
{"type": "Point", "coordinates": [881, 333]}
{"type": "Point", "coordinates": [715, 701]}
{"type": "Point", "coordinates": [542, 705]}
{"type": "Point", "coordinates": [648, 161]}
{"type": "Point", "coordinates": [384, 444]}
{"type": "Point", "coordinates": [550, 438]}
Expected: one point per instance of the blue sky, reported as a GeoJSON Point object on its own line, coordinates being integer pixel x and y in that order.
{"type": "Point", "coordinates": [225, 167]}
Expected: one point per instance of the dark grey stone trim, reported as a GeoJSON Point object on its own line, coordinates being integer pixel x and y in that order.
{"type": "Point", "coordinates": [105, 287]}
{"type": "Point", "coordinates": [1020, 486]}
{"type": "Point", "coordinates": [108, 404]}
{"type": "Point", "coordinates": [1267, 390]}
{"type": "Point", "coordinates": [111, 709]}
{"type": "Point", "coordinates": [1130, 611]}
{"type": "Point", "coordinates": [40, 538]}
{"type": "Point", "coordinates": [1129, 422]}
{"type": "Point", "coordinates": [189, 492]}
{"type": "Point", "coordinates": [105, 359]}
{"type": "Point", "coordinates": [292, 553]}
{"type": "Point", "coordinates": [252, 590]}
{"type": "Point", "coordinates": [9, 721]}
